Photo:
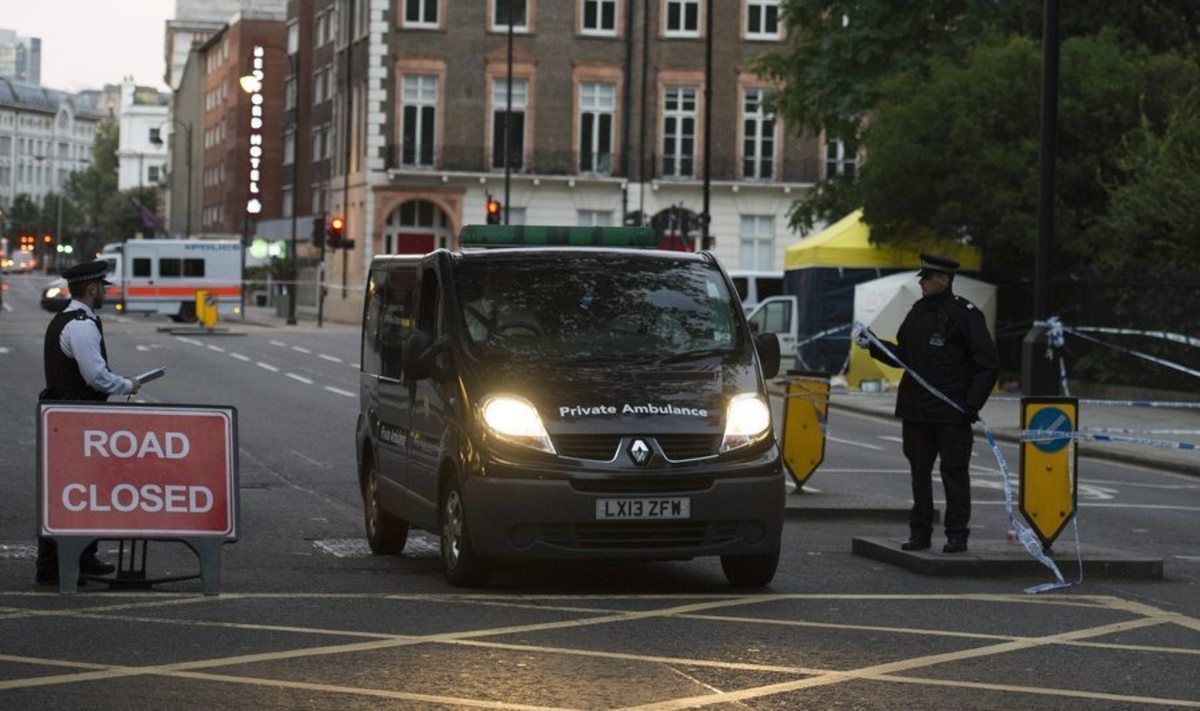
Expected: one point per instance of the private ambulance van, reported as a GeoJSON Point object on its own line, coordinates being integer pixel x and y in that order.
{"type": "Point", "coordinates": [562, 393]}
{"type": "Point", "coordinates": [162, 276]}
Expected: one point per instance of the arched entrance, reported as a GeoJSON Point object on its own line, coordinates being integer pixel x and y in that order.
{"type": "Point", "coordinates": [416, 227]}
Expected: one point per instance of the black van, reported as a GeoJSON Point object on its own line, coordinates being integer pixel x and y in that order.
{"type": "Point", "coordinates": [549, 400]}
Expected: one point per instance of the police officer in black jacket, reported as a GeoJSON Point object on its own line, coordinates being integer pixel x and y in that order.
{"type": "Point", "coordinates": [76, 364]}
{"type": "Point", "coordinates": [945, 340]}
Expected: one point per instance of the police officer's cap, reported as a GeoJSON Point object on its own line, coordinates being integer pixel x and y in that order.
{"type": "Point", "coordinates": [88, 271]}
{"type": "Point", "coordinates": [932, 264]}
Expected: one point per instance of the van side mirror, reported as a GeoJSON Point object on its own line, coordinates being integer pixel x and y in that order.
{"type": "Point", "coordinates": [420, 353]}
{"type": "Point", "coordinates": [767, 346]}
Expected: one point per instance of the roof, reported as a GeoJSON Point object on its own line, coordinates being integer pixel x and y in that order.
{"type": "Point", "coordinates": [846, 243]}
{"type": "Point", "coordinates": [33, 96]}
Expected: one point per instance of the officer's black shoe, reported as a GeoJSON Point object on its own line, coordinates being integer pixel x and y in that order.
{"type": "Point", "coordinates": [916, 543]}
{"type": "Point", "coordinates": [95, 566]}
{"type": "Point", "coordinates": [955, 545]}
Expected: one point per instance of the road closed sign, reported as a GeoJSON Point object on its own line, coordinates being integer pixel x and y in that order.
{"type": "Point", "coordinates": [137, 471]}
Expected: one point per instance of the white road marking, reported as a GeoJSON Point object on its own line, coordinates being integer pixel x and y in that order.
{"type": "Point", "coordinates": [240, 357]}
{"type": "Point", "coordinates": [891, 438]}
{"type": "Point", "coordinates": [218, 349]}
{"type": "Point", "coordinates": [298, 349]}
{"type": "Point", "coordinates": [333, 359]}
{"type": "Point", "coordinates": [7, 307]}
{"type": "Point", "coordinates": [267, 366]}
{"type": "Point", "coordinates": [852, 443]}
{"type": "Point", "coordinates": [190, 341]}
{"type": "Point", "coordinates": [278, 343]}
{"type": "Point", "coordinates": [338, 391]}
{"type": "Point", "coordinates": [141, 348]}
{"type": "Point", "coordinates": [354, 365]}
{"type": "Point", "coordinates": [301, 378]}
{"type": "Point", "coordinates": [1188, 558]}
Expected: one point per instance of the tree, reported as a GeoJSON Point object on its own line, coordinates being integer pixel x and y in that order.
{"type": "Point", "coordinates": [90, 189]}
{"type": "Point", "coordinates": [842, 53]}
{"type": "Point", "coordinates": [23, 217]}
{"type": "Point", "coordinates": [955, 152]}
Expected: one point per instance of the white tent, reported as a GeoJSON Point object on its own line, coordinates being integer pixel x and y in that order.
{"type": "Point", "coordinates": [883, 303]}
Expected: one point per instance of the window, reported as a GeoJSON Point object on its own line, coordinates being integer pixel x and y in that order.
{"type": "Point", "coordinates": [683, 18]}
{"type": "Point", "coordinates": [289, 147]}
{"type": "Point", "coordinates": [388, 319]}
{"type": "Point", "coordinates": [421, 13]}
{"type": "Point", "coordinates": [321, 31]}
{"type": "Point", "coordinates": [193, 267]}
{"type": "Point", "coordinates": [594, 218]}
{"type": "Point", "coordinates": [758, 136]}
{"type": "Point", "coordinates": [286, 202]}
{"type": "Point", "coordinates": [156, 136]}
{"type": "Point", "coordinates": [679, 131]}
{"type": "Point", "coordinates": [141, 267]}
{"type": "Point", "coordinates": [775, 317]}
{"type": "Point", "coordinates": [516, 134]}
{"type": "Point", "coordinates": [500, 10]}
{"type": "Point", "coordinates": [762, 19]}
{"type": "Point", "coordinates": [756, 240]}
{"type": "Point", "coordinates": [599, 17]}
{"type": "Point", "coordinates": [597, 103]}
{"type": "Point", "coordinates": [841, 158]}
{"type": "Point", "coordinates": [289, 93]}
{"type": "Point", "coordinates": [152, 174]}
{"type": "Point", "coordinates": [170, 268]}
{"type": "Point", "coordinates": [419, 96]}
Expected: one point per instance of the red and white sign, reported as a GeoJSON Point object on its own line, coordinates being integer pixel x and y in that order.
{"type": "Point", "coordinates": [137, 471]}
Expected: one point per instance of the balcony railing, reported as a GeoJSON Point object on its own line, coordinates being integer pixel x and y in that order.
{"type": "Point", "coordinates": [477, 159]}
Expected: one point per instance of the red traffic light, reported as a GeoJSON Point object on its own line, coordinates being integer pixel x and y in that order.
{"type": "Point", "coordinates": [47, 239]}
{"type": "Point", "coordinates": [335, 228]}
{"type": "Point", "coordinates": [337, 224]}
{"type": "Point", "coordinates": [493, 211]}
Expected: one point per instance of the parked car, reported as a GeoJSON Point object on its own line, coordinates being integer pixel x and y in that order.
{"type": "Point", "coordinates": [56, 296]}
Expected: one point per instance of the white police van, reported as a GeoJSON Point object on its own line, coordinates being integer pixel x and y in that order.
{"type": "Point", "coordinates": [564, 394]}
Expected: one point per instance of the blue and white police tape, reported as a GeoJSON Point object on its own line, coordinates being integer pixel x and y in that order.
{"type": "Point", "coordinates": [1181, 405]}
{"type": "Point", "coordinates": [1025, 534]}
{"type": "Point", "coordinates": [818, 336]}
{"type": "Point", "coordinates": [1160, 335]}
{"type": "Point", "coordinates": [1137, 354]}
{"type": "Point", "coordinates": [1050, 435]}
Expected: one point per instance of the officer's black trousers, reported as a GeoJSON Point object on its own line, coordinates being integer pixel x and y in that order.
{"type": "Point", "coordinates": [924, 442]}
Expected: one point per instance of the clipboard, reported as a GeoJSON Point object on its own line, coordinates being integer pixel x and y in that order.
{"type": "Point", "coordinates": [149, 375]}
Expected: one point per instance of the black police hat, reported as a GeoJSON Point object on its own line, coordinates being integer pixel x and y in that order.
{"type": "Point", "coordinates": [88, 271]}
{"type": "Point", "coordinates": [932, 264]}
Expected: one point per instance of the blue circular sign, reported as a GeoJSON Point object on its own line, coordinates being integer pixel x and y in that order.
{"type": "Point", "coordinates": [1055, 420]}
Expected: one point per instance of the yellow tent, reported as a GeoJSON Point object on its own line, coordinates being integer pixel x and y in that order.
{"type": "Point", "coordinates": [846, 244]}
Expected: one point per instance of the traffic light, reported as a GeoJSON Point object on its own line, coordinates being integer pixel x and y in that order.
{"type": "Point", "coordinates": [318, 231]}
{"type": "Point", "coordinates": [47, 239]}
{"type": "Point", "coordinates": [335, 230]}
{"type": "Point", "coordinates": [493, 211]}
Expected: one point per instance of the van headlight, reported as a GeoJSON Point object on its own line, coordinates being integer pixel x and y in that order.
{"type": "Point", "coordinates": [515, 420]}
{"type": "Point", "coordinates": [747, 420]}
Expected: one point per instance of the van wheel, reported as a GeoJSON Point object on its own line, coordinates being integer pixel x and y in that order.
{"type": "Point", "coordinates": [386, 534]}
{"type": "Point", "coordinates": [750, 571]}
{"type": "Point", "coordinates": [462, 566]}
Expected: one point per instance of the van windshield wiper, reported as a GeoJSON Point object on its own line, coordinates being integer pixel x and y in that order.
{"type": "Point", "coordinates": [694, 355]}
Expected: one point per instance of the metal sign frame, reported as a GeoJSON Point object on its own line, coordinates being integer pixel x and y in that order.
{"type": "Point", "coordinates": [205, 544]}
{"type": "Point", "coordinates": [1027, 404]}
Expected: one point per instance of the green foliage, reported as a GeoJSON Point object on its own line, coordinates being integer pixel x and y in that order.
{"type": "Point", "coordinates": [23, 217]}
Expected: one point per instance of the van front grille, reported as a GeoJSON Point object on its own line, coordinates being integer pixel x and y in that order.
{"type": "Point", "coordinates": [641, 485]}
{"type": "Point", "coordinates": [688, 446]}
{"type": "Point", "coordinates": [600, 448]}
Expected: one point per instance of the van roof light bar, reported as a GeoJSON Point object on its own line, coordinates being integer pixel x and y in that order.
{"type": "Point", "coordinates": [495, 236]}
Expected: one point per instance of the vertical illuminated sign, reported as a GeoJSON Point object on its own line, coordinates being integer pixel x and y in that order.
{"type": "Point", "coordinates": [254, 205]}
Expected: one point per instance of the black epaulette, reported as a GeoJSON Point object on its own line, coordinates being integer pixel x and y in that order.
{"type": "Point", "coordinates": [964, 303]}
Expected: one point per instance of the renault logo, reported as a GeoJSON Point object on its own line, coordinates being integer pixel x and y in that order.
{"type": "Point", "coordinates": [639, 451]}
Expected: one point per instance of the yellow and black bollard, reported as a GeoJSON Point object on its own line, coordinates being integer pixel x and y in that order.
{"type": "Point", "coordinates": [805, 411]}
{"type": "Point", "coordinates": [1049, 473]}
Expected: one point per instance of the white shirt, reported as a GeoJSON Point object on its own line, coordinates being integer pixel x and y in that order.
{"type": "Point", "coordinates": [80, 340]}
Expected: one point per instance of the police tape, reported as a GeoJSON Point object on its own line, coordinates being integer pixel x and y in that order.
{"type": "Point", "coordinates": [1137, 354]}
{"type": "Point", "coordinates": [1161, 335]}
{"type": "Point", "coordinates": [823, 334]}
{"type": "Point", "coordinates": [1053, 435]}
{"type": "Point", "coordinates": [1025, 534]}
{"type": "Point", "coordinates": [1056, 329]}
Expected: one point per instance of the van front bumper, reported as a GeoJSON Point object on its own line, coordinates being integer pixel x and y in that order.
{"type": "Point", "coordinates": [556, 518]}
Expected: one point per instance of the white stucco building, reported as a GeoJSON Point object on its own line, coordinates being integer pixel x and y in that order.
{"type": "Point", "coordinates": [45, 135]}
{"type": "Point", "coordinates": [142, 151]}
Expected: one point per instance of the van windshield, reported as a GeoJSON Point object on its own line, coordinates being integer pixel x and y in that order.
{"type": "Point", "coordinates": [596, 307]}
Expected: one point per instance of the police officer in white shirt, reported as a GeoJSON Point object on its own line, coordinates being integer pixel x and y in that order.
{"type": "Point", "coordinates": [76, 364]}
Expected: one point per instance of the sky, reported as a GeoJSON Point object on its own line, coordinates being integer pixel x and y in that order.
{"type": "Point", "coordinates": [89, 43]}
